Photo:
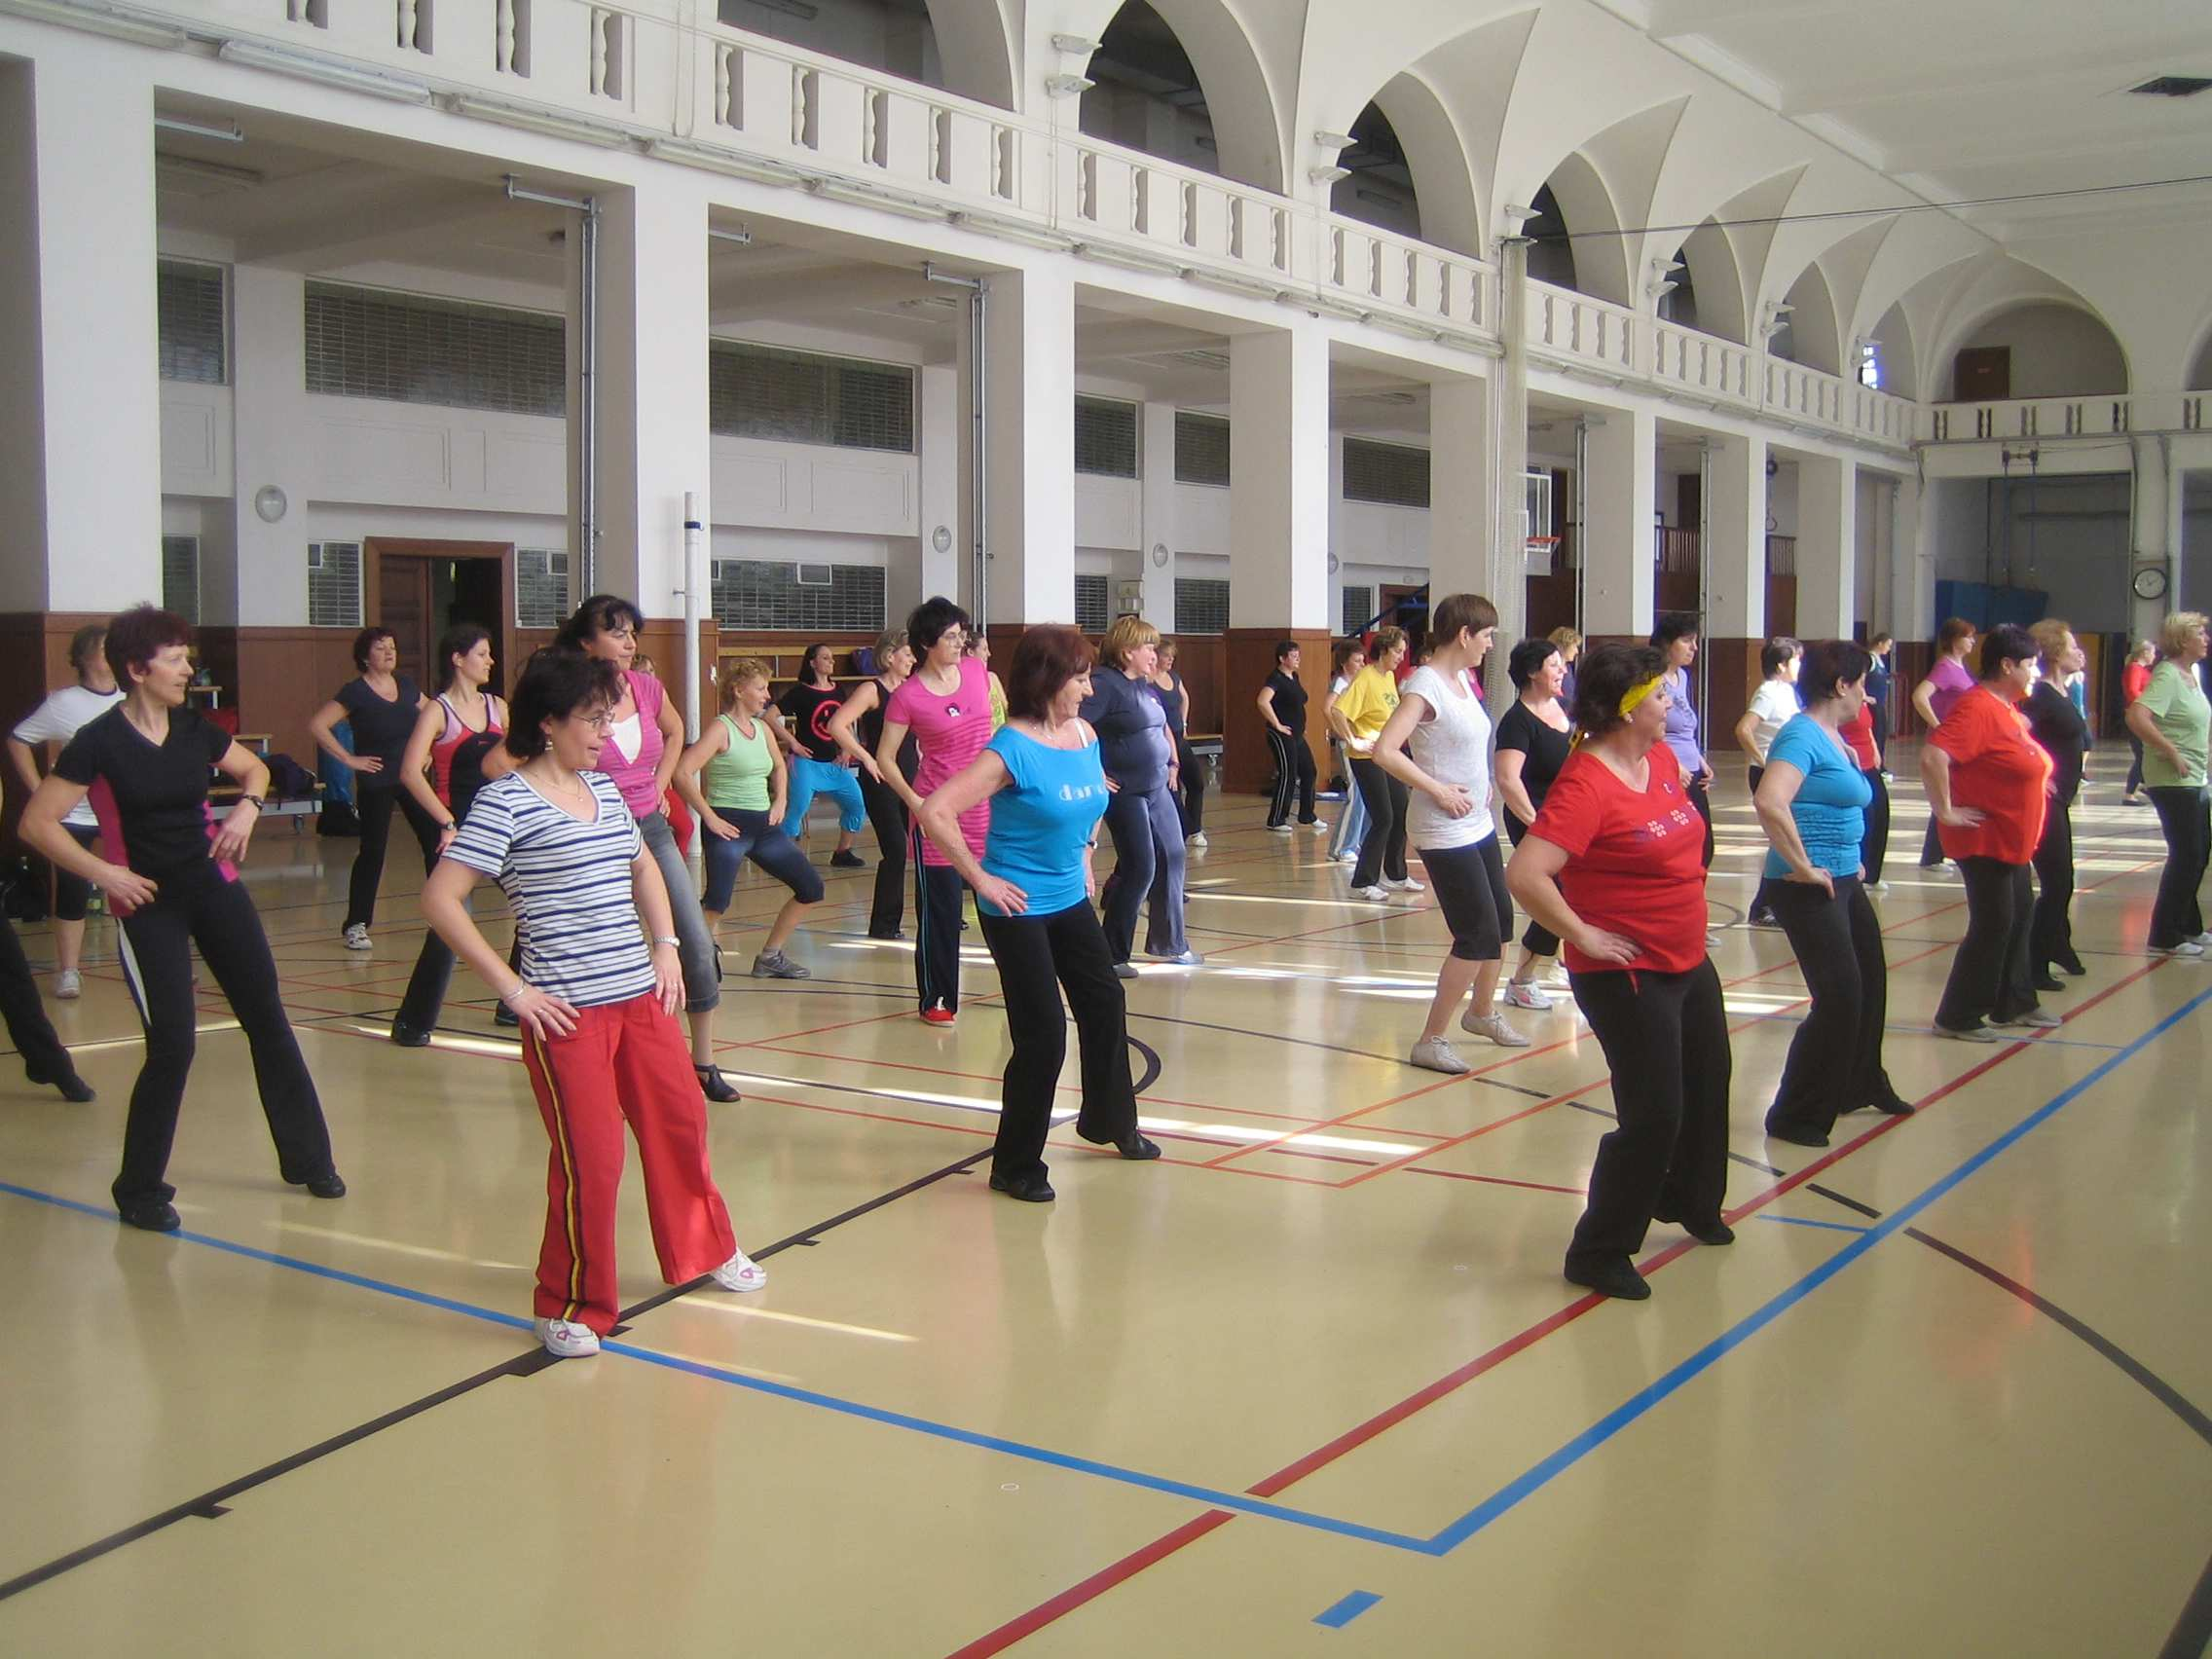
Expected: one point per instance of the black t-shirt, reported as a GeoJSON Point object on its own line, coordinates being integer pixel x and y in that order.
{"type": "Point", "coordinates": [1547, 751]}
{"type": "Point", "coordinates": [153, 798]}
{"type": "Point", "coordinates": [2057, 724]}
{"type": "Point", "coordinates": [1290, 701]}
{"type": "Point", "coordinates": [870, 729]}
{"type": "Point", "coordinates": [1173, 700]}
{"type": "Point", "coordinates": [809, 712]}
{"type": "Point", "coordinates": [379, 727]}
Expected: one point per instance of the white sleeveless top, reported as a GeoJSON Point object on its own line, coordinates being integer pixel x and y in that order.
{"type": "Point", "coordinates": [1453, 747]}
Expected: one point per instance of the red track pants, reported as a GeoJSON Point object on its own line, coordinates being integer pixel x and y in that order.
{"type": "Point", "coordinates": [625, 1059]}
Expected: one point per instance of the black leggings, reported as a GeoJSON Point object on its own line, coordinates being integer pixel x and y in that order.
{"type": "Point", "coordinates": [1294, 778]}
{"type": "Point", "coordinates": [1383, 849]}
{"type": "Point", "coordinates": [1538, 938]}
{"type": "Point", "coordinates": [1989, 977]}
{"type": "Point", "coordinates": [43, 1055]}
{"type": "Point", "coordinates": [937, 890]}
{"type": "Point", "coordinates": [2181, 815]}
{"type": "Point", "coordinates": [886, 817]}
{"type": "Point", "coordinates": [1762, 895]}
{"type": "Point", "coordinates": [73, 894]}
{"type": "Point", "coordinates": [2051, 932]}
{"type": "Point", "coordinates": [1190, 788]}
{"type": "Point", "coordinates": [1036, 957]}
{"type": "Point", "coordinates": [1836, 1058]}
{"type": "Point", "coordinates": [2134, 766]}
{"type": "Point", "coordinates": [1664, 1037]}
{"type": "Point", "coordinates": [202, 906]}
{"type": "Point", "coordinates": [1701, 797]}
{"type": "Point", "coordinates": [1874, 843]}
{"type": "Point", "coordinates": [426, 988]}
{"type": "Point", "coordinates": [374, 809]}
{"type": "Point", "coordinates": [1471, 891]}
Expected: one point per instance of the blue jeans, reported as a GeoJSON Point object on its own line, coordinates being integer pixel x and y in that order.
{"type": "Point", "coordinates": [810, 777]}
{"type": "Point", "coordinates": [695, 947]}
{"type": "Point", "coordinates": [767, 846]}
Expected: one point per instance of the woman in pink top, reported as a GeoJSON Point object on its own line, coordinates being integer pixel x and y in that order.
{"type": "Point", "coordinates": [946, 705]}
{"type": "Point", "coordinates": [1933, 699]}
{"type": "Point", "coordinates": [645, 740]}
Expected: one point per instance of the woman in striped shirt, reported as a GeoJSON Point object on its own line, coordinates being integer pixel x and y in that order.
{"type": "Point", "coordinates": [598, 1009]}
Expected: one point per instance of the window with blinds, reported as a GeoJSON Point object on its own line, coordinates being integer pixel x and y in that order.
{"type": "Point", "coordinates": [1105, 437]}
{"type": "Point", "coordinates": [1359, 606]}
{"type": "Point", "coordinates": [780, 596]}
{"type": "Point", "coordinates": [1202, 449]}
{"type": "Point", "coordinates": [1093, 603]}
{"type": "Point", "coordinates": [180, 576]}
{"type": "Point", "coordinates": [802, 397]}
{"type": "Point", "coordinates": [543, 594]}
{"type": "Point", "coordinates": [413, 349]}
{"type": "Point", "coordinates": [1396, 475]}
{"type": "Point", "coordinates": [189, 311]}
{"type": "Point", "coordinates": [334, 584]}
{"type": "Point", "coordinates": [1201, 606]}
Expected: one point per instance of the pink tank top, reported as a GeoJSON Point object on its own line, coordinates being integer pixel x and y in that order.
{"type": "Point", "coordinates": [632, 751]}
{"type": "Point", "coordinates": [454, 736]}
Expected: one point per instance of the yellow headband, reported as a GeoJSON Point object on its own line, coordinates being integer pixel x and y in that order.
{"type": "Point", "coordinates": [1636, 695]}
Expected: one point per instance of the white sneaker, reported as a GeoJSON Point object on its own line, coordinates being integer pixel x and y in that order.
{"type": "Point", "coordinates": [1278, 828]}
{"type": "Point", "coordinates": [1320, 826]}
{"type": "Point", "coordinates": [2205, 938]}
{"type": "Point", "coordinates": [2187, 948]}
{"type": "Point", "coordinates": [565, 1338]}
{"type": "Point", "coordinates": [1493, 1025]}
{"type": "Point", "coordinates": [1520, 994]}
{"type": "Point", "coordinates": [740, 1272]}
{"type": "Point", "coordinates": [1434, 1053]}
{"type": "Point", "coordinates": [1379, 896]}
{"type": "Point", "coordinates": [1712, 941]}
{"type": "Point", "coordinates": [1198, 839]}
{"type": "Point", "coordinates": [1557, 979]}
{"type": "Point", "coordinates": [69, 984]}
{"type": "Point", "coordinates": [1350, 857]}
{"type": "Point", "coordinates": [1408, 885]}
{"type": "Point", "coordinates": [357, 939]}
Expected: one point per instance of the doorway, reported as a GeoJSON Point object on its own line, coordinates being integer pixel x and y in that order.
{"type": "Point", "coordinates": [1407, 607]}
{"type": "Point", "coordinates": [419, 589]}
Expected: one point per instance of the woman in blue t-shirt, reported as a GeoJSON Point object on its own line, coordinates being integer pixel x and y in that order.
{"type": "Point", "coordinates": [1033, 886]}
{"type": "Point", "coordinates": [1812, 802]}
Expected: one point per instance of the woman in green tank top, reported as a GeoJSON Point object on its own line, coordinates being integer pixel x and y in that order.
{"type": "Point", "coordinates": [735, 779]}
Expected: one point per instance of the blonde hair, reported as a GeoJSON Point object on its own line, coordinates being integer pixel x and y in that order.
{"type": "Point", "coordinates": [1385, 640]}
{"type": "Point", "coordinates": [2051, 636]}
{"type": "Point", "coordinates": [1127, 634]}
{"type": "Point", "coordinates": [1567, 639]}
{"type": "Point", "coordinates": [2175, 630]}
{"type": "Point", "coordinates": [743, 672]}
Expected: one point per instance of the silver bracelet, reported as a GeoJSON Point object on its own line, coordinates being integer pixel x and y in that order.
{"type": "Point", "coordinates": [671, 939]}
{"type": "Point", "coordinates": [509, 996]}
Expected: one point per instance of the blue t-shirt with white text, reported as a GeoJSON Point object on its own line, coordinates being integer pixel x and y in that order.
{"type": "Point", "coordinates": [1043, 820]}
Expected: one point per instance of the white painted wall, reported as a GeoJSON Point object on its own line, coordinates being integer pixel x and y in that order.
{"type": "Point", "coordinates": [2057, 351]}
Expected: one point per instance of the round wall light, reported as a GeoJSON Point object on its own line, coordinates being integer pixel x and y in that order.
{"type": "Point", "coordinates": [271, 504]}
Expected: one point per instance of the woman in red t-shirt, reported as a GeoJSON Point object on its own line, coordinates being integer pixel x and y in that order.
{"type": "Point", "coordinates": [2134, 681]}
{"type": "Point", "coordinates": [1989, 782]}
{"type": "Point", "coordinates": [1857, 733]}
{"type": "Point", "coordinates": [1614, 865]}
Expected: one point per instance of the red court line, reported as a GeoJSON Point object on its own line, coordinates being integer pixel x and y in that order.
{"type": "Point", "coordinates": [1502, 1181]}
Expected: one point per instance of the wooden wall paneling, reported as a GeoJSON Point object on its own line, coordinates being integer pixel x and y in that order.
{"type": "Point", "coordinates": [1249, 659]}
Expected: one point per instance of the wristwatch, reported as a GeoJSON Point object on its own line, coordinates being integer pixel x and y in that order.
{"type": "Point", "coordinates": [658, 939]}
{"type": "Point", "coordinates": [254, 801]}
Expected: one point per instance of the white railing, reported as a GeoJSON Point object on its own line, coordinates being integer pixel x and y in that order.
{"type": "Point", "coordinates": [1367, 265]}
{"type": "Point", "coordinates": [2100, 414]}
{"type": "Point", "coordinates": [1577, 327]}
{"type": "Point", "coordinates": [1701, 362]}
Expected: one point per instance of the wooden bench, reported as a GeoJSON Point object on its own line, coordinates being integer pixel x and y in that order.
{"type": "Point", "coordinates": [298, 808]}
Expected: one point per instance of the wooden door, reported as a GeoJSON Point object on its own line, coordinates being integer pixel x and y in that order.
{"type": "Point", "coordinates": [403, 604]}
{"type": "Point", "coordinates": [1982, 374]}
{"type": "Point", "coordinates": [419, 588]}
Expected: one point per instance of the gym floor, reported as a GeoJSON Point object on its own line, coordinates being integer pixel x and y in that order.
{"type": "Point", "coordinates": [1312, 1384]}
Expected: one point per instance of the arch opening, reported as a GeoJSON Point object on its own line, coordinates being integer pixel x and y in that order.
{"type": "Point", "coordinates": [2036, 348]}
{"type": "Point", "coordinates": [956, 46]}
{"type": "Point", "coordinates": [1180, 81]}
{"type": "Point", "coordinates": [1709, 292]}
{"type": "Point", "coordinates": [1578, 245]}
{"type": "Point", "coordinates": [1380, 190]}
{"type": "Point", "coordinates": [1806, 334]}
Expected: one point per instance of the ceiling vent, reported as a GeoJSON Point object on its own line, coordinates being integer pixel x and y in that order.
{"type": "Point", "coordinates": [2172, 87]}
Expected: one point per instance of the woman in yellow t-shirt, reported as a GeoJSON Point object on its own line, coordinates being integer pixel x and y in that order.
{"type": "Point", "coordinates": [1356, 717]}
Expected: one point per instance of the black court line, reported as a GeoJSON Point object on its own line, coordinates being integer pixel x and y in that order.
{"type": "Point", "coordinates": [1837, 1198]}
{"type": "Point", "coordinates": [212, 1503]}
{"type": "Point", "coordinates": [2191, 1635]}
{"type": "Point", "coordinates": [1311, 1043]}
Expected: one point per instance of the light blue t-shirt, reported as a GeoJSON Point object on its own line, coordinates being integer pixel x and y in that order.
{"type": "Point", "coordinates": [1042, 820]}
{"type": "Point", "coordinates": [1831, 809]}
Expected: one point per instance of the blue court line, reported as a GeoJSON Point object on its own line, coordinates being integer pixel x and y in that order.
{"type": "Point", "coordinates": [1806, 1221]}
{"type": "Point", "coordinates": [1637, 1405]}
{"type": "Point", "coordinates": [1347, 1609]}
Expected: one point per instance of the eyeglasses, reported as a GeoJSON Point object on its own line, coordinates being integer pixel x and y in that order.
{"type": "Point", "coordinates": [600, 721]}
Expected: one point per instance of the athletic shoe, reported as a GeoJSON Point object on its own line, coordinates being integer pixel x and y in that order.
{"type": "Point", "coordinates": [775, 965]}
{"type": "Point", "coordinates": [741, 1272]}
{"type": "Point", "coordinates": [328, 1185]}
{"type": "Point", "coordinates": [1030, 1189]}
{"type": "Point", "coordinates": [153, 1215]}
{"type": "Point", "coordinates": [1888, 776]}
{"type": "Point", "coordinates": [1278, 828]}
{"type": "Point", "coordinates": [1494, 1026]}
{"type": "Point", "coordinates": [1881, 887]}
{"type": "Point", "coordinates": [2187, 948]}
{"type": "Point", "coordinates": [2205, 938]}
{"type": "Point", "coordinates": [937, 1013]}
{"type": "Point", "coordinates": [1315, 825]}
{"type": "Point", "coordinates": [1765, 919]}
{"type": "Point", "coordinates": [1197, 838]}
{"type": "Point", "coordinates": [844, 857]}
{"type": "Point", "coordinates": [1121, 971]}
{"type": "Point", "coordinates": [1714, 1232]}
{"type": "Point", "coordinates": [1617, 1278]}
{"type": "Point", "coordinates": [1712, 939]}
{"type": "Point", "coordinates": [2036, 1018]}
{"type": "Point", "coordinates": [357, 937]}
{"type": "Point", "coordinates": [1797, 1134]}
{"type": "Point", "coordinates": [1407, 885]}
{"type": "Point", "coordinates": [2131, 800]}
{"type": "Point", "coordinates": [2045, 981]}
{"type": "Point", "coordinates": [1380, 895]}
{"type": "Point", "coordinates": [1179, 959]}
{"type": "Point", "coordinates": [1557, 979]}
{"type": "Point", "coordinates": [505, 1016]}
{"type": "Point", "coordinates": [1520, 994]}
{"type": "Point", "coordinates": [1966, 1033]}
{"type": "Point", "coordinates": [1434, 1053]}
{"type": "Point", "coordinates": [565, 1338]}
{"type": "Point", "coordinates": [409, 1036]}
{"type": "Point", "coordinates": [1350, 857]}
{"type": "Point", "coordinates": [69, 984]}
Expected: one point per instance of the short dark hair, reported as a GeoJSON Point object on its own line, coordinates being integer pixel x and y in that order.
{"type": "Point", "coordinates": [458, 640]}
{"type": "Point", "coordinates": [1884, 638]}
{"type": "Point", "coordinates": [1829, 666]}
{"type": "Point", "coordinates": [1045, 659]}
{"type": "Point", "coordinates": [1283, 649]}
{"type": "Point", "coordinates": [557, 684]}
{"type": "Point", "coordinates": [602, 613]}
{"type": "Point", "coordinates": [1458, 611]}
{"type": "Point", "coordinates": [85, 645]}
{"type": "Point", "coordinates": [1954, 628]}
{"type": "Point", "coordinates": [1675, 625]}
{"type": "Point", "coordinates": [136, 637]}
{"type": "Point", "coordinates": [2007, 641]}
{"type": "Point", "coordinates": [1775, 654]}
{"type": "Point", "coordinates": [366, 638]}
{"type": "Point", "coordinates": [820, 646]}
{"type": "Point", "coordinates": [1606, 675]}
{"type": "Point", "coordinates": [1528, 661]}
{"type": "Point", "coordinates": [929, 621]}
{"type": "Point", "coordinates": [1342, 652]}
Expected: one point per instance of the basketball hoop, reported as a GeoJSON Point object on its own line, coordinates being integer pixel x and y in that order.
{"type": "Point", "coordinates": [1540, 550]}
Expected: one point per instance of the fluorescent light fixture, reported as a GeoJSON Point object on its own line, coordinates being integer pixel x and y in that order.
{"type": "Point", "coordinates": [803, 9]}
{"type": "Point", "coordinates": [740, 239]}
{"type": "Point", "coordinates": [1128, 259]}
{"type": "Point", "coordinates": [715, 159]}
{"type": "Point", "coordinates": [233, 133]}
{"type": "Point", "coordinates": [870, 196]}
{"type": "Point", "coordinates": [1403, 326]}
{"type": "Point", "coordinates": [1334, 141]}
{"type": "Point", "coordinates": [536, 118]}
{"type": "Point", "coordinates": [1067, 86]}
{"type": "Point", "coordinates": [213, 173]}
{"type": "Point", "coordinates": [98, 18]}
{"type": "Point", "coordinates": [1075, 46]}
{"type": "Point", "coordinates": [1329, 305]}
{"type": "Point", "coordinates": [1252, 286]}
{"type": "Point", "coordinates": [251, 55]}
{"type": "Point", "coordinates": [1013, 230]}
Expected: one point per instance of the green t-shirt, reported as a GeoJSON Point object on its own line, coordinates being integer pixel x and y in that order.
{"type": "Point", "coordinates": [738, 777]}
{"type": "Point", "coordinates": [2181, 711]}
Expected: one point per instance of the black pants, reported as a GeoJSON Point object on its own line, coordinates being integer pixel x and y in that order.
{"type": "Point", "coordinates": [73, 894]}
{"type": "Point", "coordinates": [1294, 778]}
{"type": "Point", "coordinates": [1537, 938]}
{"type": "Point", "coordinates": [1875, 842]}
{"type": "Point", "coordinates": [2182, 816]}
{"type": "Point", "coordinates": [426, 988]}
{"type": "Point", "coordinates": [2051, 932]}
{"type": "Point", "coordinates": [1471, 891]}
{"type": "Point", "coordinates": [937, 891]}
{"type": "Point", "coordinates": [375, 807]}
{"type": "Point", "coordinates": [28, 1028]}
{"type": "Point", "coordinates": [1038, 957]}
{"type": "Point", "coordinates": [1190, 788]}
{"type": "Point", "coordinates": [1664, 1037]}
{"type": "Point", "coordinates": [1148, 864]}
{"type": "Point", "coordinates": [886, 817]}
{"type": "Point", "coordinates": [1836, 1058]}
{"type": "Point", "coordinates": [1383, 849]}
{"type": "Point", "coordinates": [2134, 766]}
{"type": "Point", "coordinates": [1931, 847]}
{"type": "Point", "coordinates": [1989, 975]}
{"type": "Point", "coordinates": [1701, 797]}
{"type": "Point", "coordinates": [1762, 895]}
{"type": "Point", "coordinates": [201, 907]}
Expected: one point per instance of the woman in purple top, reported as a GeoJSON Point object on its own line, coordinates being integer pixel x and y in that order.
{"type": "Point", "coordinates": [946, 704]}
{"type": "Point", "coordinates": [1932, 700]}
{"type": "Point", "coordinates": [1675, 639]}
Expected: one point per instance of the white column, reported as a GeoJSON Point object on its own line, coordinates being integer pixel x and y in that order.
{"type": "Point", "coordinates": [1734, 545]}
{"type": "Point", "coordinates": [938, 571]}
{"type": "Point", "coordinates": [1029, 381]}
{"type": "Point", "coordinates": [1827, 545]}
{"type": "Point", "coordinates": [1278, 464]}
{"type": "Point", "coordinates": [1468, 552]}
{"type": "Point", "coordinates": [1156, 513]}
{"type": "Point", "coordinates": [79, 426]}
{"type": "Point", "coordinates": [2158, 539]}
{"type": "Point", "coordinates": [1619, 496]}
{"type": "Point", "coordinates": [653, 441]}
{"type": "Point", "coordinates": [271, 443]}
{"type": "Point", "coordinates": [1912, 583]}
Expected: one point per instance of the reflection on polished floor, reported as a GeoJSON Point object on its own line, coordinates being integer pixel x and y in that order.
{"type": "Point", "coordinates": [1310, 1383]}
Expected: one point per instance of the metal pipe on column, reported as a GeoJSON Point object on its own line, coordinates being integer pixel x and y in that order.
{"type": "Point", "coordinates": [1705, 573]}
{"type": "Point", "coordinates": [694, 534]}
{"type": "Point", "coordinates": [1509, 443]}
{"type": "Point", "coordinates": [586, 207]}
{"type": "Point", "coordinates": [1577, 514]}
{"type": "Point", "coordinates": [978, 459]}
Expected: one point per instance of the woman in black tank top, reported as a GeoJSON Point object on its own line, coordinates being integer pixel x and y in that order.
{"type": "Point", "coordinates": [858, 729]}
